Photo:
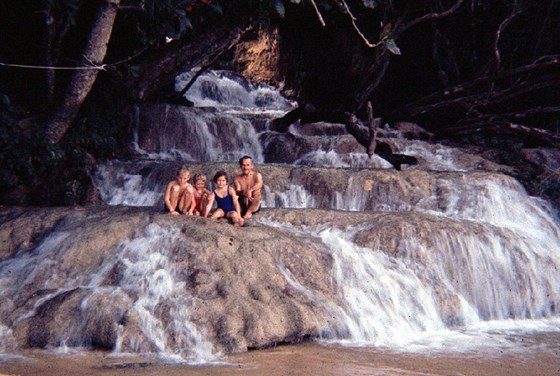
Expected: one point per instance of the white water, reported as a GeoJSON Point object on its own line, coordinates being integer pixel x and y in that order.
{"type": "Point", "coordinates": [455, 291]}
{"type": "Point", "coordinates": [226, 90]}
{"type": "Point", "coordinates": [193, 135]}
{"type": "Point", "coordinates": [321, 158]}
{"type": "Point", "coordinates": [493, 273]}
{"type": "Point", "coordinates": [503, 275]}
{"type": "Point", "coordinates": [149, 277]}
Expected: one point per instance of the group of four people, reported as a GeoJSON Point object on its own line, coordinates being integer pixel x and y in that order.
{"type": "Point", "coordinates": [237, 202]}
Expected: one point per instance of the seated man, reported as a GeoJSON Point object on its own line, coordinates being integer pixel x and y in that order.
{"type": "Point", "coordinates": [248, 186]}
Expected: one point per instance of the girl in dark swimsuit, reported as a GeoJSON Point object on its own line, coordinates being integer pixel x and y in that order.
{"type": "Point", "coordinates": [226, 199]}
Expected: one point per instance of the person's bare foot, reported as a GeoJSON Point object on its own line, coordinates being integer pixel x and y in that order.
{"type": "Point", "coordinates": [248, 215]}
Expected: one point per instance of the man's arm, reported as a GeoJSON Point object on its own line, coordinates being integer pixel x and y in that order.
{"type": "Point", "coordinates": [258, 184]}
{"type": "Point", "coordinates": [244, 193]}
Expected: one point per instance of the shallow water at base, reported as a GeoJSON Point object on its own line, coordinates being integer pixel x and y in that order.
{"type": "Point", "coordinates": [534, 355]}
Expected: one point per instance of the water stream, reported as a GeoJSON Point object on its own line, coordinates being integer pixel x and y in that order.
{"type": "Point", "coordinates": [480, 268]}
{"type": "Point", "coordinates": [502, 265]}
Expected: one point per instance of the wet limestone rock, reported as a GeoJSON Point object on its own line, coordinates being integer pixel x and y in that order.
{"type": "Point", "coordinates": [84, 282]}
{"type": "Point", "coordinates": [138, 280]}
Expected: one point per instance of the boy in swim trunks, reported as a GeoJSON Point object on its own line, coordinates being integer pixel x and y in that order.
{"type": "Point", "coordinates": [248, 186]}
{"type": "Point", "coordinates": [179, 194]}
{"type": "Point", "coordinates": [226, 199]}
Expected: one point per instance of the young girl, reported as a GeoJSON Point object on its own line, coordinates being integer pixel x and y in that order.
{"type": "Point", "coordinates": [201, 194]}
{"type": "Point", "coordinates": [226, 198]}
{"type": "Point", "coordinates": [179, 194]}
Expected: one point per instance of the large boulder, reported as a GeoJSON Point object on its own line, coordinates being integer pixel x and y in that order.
{"type": "Point", "coordinates": [137, 280]}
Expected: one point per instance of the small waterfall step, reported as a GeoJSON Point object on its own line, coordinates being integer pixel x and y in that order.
{"type": "Point", "coordinates": [475, 195]}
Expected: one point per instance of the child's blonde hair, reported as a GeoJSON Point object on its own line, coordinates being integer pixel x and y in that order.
{"type": "Point", "coordinates": [198, 177]}
{"type": "Point", "coordinates": [183, 170]}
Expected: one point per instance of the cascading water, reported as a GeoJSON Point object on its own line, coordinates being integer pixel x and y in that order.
{"type": "Point", "coordinates": [150, 275]}
{"type": "Point", "coordinates": [441, 281]}
{"type": "Point", "coordinates": [447, 255]}
{"type": "Point", "coordinates": [147, 272]}
{"type": "Point", "coordinates": [230, 114]}
{"type": "Point", "coordinates": [505, 268]}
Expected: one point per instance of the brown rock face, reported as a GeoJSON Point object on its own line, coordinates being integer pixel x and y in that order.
{"type": "Point", "coordinates": [137, 280]}
{"type": "Point", "coordinates": [121, 277]}
{"type": "Point", "coordinates": [258, 58]}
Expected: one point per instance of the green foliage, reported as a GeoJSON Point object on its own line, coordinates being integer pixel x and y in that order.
{"type": "Point", "coordinates": [217, 8]}
{"type": "Point", "coordinates": [25, 157]}
{"type": "Point", "coordinates": [70, 4]}
{"type": "Point", "coordinates": [150, 23]}
{"type": "Point", "coordinates": [51, 173]}
{"type": "Point", "coordinates": [93, 133]}
{"type": "Point", "coordinates": [67, 9]}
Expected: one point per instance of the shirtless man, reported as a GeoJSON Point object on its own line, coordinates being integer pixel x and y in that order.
{"type": "Point", "coordinates": [248, 186]}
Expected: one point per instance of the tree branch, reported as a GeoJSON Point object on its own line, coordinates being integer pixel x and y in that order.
{"type": "Point", "coordinates": [211, 61]}
{"type": "Point", "coordinates": [319, 15]}
{"type": "Point", "coordinates": [353, 20]}
{"type": "Point", "coordinates": [372, 125]}
{"type": "Point", "coordinates": [499, 32]}
{"type": "Point", "coordinates": [452, 93]}
{"type": "Point", "coordinates": [431, 16]}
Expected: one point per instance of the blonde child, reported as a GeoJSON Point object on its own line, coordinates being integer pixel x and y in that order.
{"type": "Point", "coordinates": [226, 199]}
{"type": "Point", "coordinates": [179, 194]}
{"type": "Point", "coordinates": [201, 194]}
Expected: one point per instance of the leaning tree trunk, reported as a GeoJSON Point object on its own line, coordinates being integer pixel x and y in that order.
{"type": "Point", "coordinates": [82, 81]}
{"type": "Point", "coordinates": [161, 67]}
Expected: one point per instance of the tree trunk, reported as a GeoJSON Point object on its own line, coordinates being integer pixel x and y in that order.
{"type": "Point", "coordinates": [160, 68]}
{"type": "Point", "coordinates": [83, 80]}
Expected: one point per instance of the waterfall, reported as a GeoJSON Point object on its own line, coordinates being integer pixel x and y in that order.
{"type": "Point", "coordinates": [192, 134]}
{"type": "Point", "coordinates": [439, 255]}
{"type": "Point", "coordinates": [228, 90]}
{"type": "Point", "coordinates": [440, 279]}
{"type": "Point", "coordinates": [504, 267]}
{"type": "Point", "coordinates": [150, 275]}
{"type": "Point", "coordinates": [224, 125]}
{"type": "Point", "coordinates": [158, 317]}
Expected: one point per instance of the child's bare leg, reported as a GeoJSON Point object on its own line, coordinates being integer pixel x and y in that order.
{"type": "Point", "coordinates": [203, 204]}
{"type": "Point", "coordinates": [174, 201]}
{"type": "Point", "coordinates": [184, 204]}
{"type": "Point", "coordinates": [218, 213]}
{"type": "Point", "coordinates": [236, 219]}
{"type": "Point", "coordinates": [190, 204]}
